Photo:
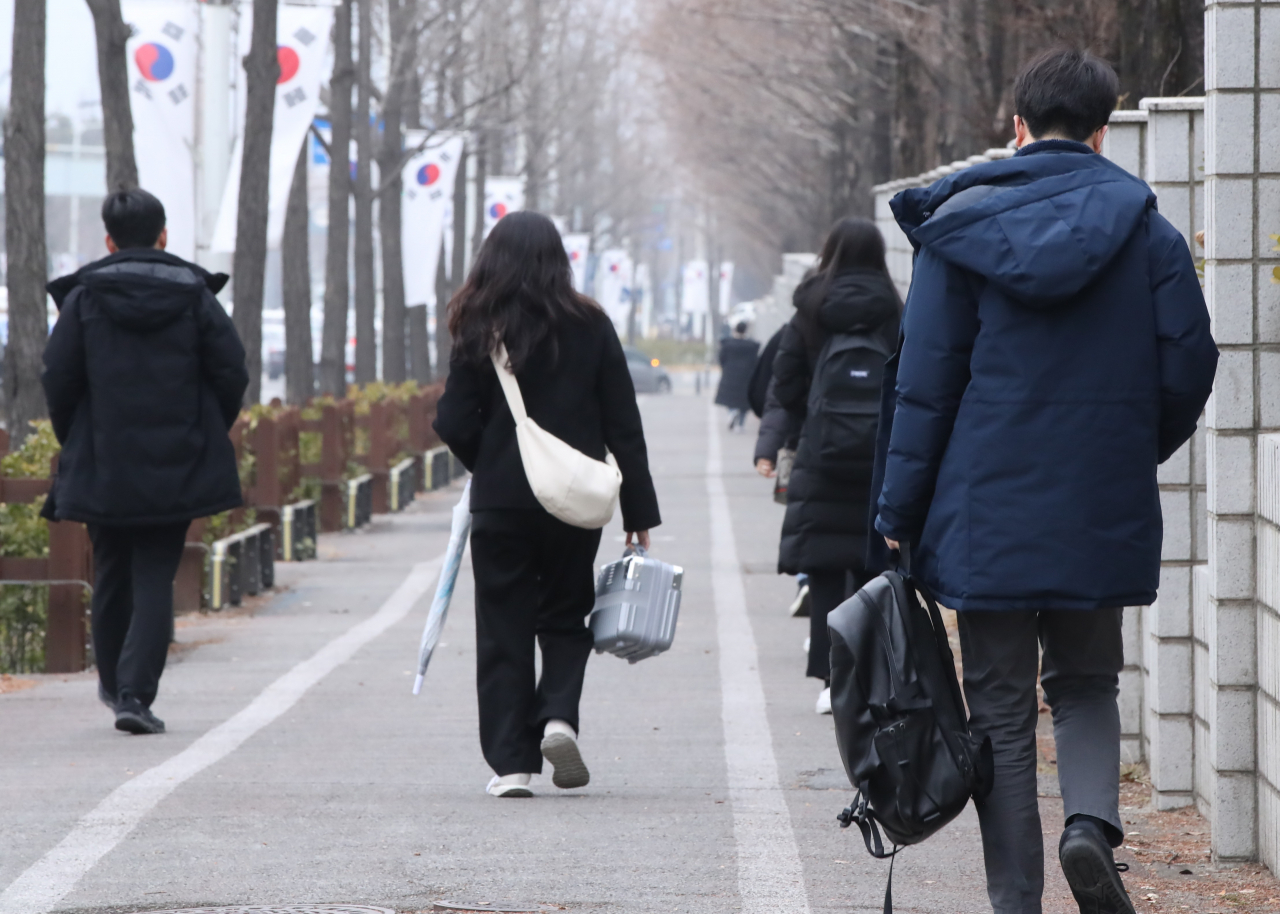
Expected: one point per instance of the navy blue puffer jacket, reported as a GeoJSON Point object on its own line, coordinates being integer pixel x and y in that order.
{"type": "Point", "coordinates": [1055, 349]}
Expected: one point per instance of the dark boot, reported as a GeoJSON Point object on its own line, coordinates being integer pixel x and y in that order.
{"type": "Point", "coordinates": [1091, 871]}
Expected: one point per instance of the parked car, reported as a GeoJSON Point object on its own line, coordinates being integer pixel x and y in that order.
{"type": "Point", "coordinates": [648, 375]}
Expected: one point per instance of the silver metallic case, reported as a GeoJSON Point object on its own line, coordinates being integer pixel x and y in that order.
{"type": "Point", "coordinates": [637, 605]}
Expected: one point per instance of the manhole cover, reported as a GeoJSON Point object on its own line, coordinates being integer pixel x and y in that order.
{"type": "Point", "coordinates": [501, 907]}
{"type": "Point", "coordinates": [282, 909]}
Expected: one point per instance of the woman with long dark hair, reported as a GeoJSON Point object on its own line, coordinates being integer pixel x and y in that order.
{"type": "Point", "coordinates": [824, 532]}
{"type": "Point", "coordinates": [534, 573]}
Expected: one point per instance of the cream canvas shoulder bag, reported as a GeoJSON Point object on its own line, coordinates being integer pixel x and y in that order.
{"type": "Point", "coordinates": [572, 487]}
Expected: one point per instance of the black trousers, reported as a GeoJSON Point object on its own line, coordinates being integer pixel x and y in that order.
{"type": "Point", "coordinates": [827, 590]}
{"type": "Point", "coordinates": [134, 568]}
{"type": "Point", "coordinates": [1078, 655]}
{"type": "Point", "coordinates": [534, 583]}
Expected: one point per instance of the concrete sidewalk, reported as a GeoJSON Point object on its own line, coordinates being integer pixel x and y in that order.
{"type": "Point", "coordinates": [357, 792]}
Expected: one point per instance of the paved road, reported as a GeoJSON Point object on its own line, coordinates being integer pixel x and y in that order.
{"type": "Point", "coordinates": [298, 767]}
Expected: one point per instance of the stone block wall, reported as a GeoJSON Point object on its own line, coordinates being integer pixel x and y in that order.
{"type": "Point", "coordinates": [1242, 202]}
{"type": "Point", "coordinates": [1126, 145]}
{"type": "Point", "coordinates": [1172, 161]}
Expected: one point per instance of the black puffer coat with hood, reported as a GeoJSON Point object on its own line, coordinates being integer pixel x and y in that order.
{"type": "Point", "coordinates": [144, 375]}
{"type": "Point", "coordinates": [827, 519]}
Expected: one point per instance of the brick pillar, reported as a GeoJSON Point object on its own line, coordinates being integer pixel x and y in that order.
{"type": "Point", "coordinates": [1242, 169]}
{"type": "Point", "coordinates": [1126, 145]}
{"type": "Point", "coordinates": [1173, 160]}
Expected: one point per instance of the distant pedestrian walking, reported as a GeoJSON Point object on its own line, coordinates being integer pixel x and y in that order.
{"type": "Point", "coordinates": [534, 573]}
{"type": "Point", "coordinates": [144, 375]}
{"type": "Point", "coordinates": [1055, 348]}
{"type": "Point", "coordinates": [826, 376]}
{"type": "Point", "coordinates": [737, 361]}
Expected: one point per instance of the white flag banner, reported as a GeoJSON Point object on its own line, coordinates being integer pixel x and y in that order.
{"type": "Point", "coordinates": [303, 36]}
{"type": "Point", "coordinates": [427, 198]}
{"type": "Point", "coordinates": [613, 286]}
{"type": "Point", "coordinates": [694, 289]}
{"type": "Point", "coordinates": [448, 239]}
{"type": "Point", "coordinates": [726, 286]}
{"type": "Point", "coordinates": [501, 196]}
{"type": "Point", "coordinates": [161, 59]}
{"type": "Point", "coordinates": [578, 247]}
{"type": "Point", "coordinates": [642, 295]}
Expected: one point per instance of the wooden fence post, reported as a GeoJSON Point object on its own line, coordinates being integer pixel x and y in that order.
{"type": "Point", "coordinates": [379, 458]}
{"type": "Point", "coordinates": [331, 465]}
{"type": "Point", "coordinates": [69, 560]}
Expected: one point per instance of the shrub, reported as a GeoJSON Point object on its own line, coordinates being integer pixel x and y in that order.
{"type": "Point", "coordinates": [23, 534]}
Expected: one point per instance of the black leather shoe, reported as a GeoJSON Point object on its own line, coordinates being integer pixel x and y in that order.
{"type": "Point", "coordinates": [1090, 868]}
{"type": "Point", "coordinates": [132, 717]}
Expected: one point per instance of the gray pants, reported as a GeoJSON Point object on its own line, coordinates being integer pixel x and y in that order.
{"type": "Point", "coordinates": [1083, 655]}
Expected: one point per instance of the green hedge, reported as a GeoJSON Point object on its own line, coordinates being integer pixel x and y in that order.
{"type": "Point", "coordinates": [24, 609]}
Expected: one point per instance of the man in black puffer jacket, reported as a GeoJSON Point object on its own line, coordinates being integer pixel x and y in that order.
{"type": "Point", "coordinates": [144, 376]}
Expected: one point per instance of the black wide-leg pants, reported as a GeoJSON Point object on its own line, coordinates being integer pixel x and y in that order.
{"type": "Point", "coordinates": [535, 582]}
{"type": "Point", "coordinates": [132, 614]}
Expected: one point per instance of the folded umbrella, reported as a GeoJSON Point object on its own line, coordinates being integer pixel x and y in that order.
{"type": "Point", "coordinates": [458, 534]}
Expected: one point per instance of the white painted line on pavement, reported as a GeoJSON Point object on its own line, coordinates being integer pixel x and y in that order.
{"type": "Point", "coordinates": [49, 879]}
{"type": "Point", "coordinates": [770, 876]}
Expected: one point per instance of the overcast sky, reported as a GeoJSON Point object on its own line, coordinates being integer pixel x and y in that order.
{"type": "Point", "coordinates": [71, 61]}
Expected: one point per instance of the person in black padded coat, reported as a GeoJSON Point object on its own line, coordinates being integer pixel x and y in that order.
{"type": "Point", "coordinates": [534, 573]}
{"type": "Point", "coordinates": [143, 374]}
{"type": "Point", "coordinates": [824, 532]}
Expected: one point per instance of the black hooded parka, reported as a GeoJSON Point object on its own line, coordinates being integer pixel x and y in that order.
{"type": "Point", "coordinates": [826, 524]}
{"type": "Point", "coordinates": [144, 376]}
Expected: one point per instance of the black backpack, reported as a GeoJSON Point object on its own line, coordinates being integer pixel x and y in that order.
{"type": "Point", "coordinates": [899, 717]}
{"type": "Point", "coordinates": [844, 405]}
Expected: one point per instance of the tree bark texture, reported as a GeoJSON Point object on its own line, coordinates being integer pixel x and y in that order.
{"type": "Point", "coordinates": [337, 292]}
{"type": "Point", "coordinates": [262, 71]}
{"type": "Point", "coordinates": [366, 331]}
{"type": "Point", "coordinates": [419, 344]}
{"type": "Point", "coordinates": [482, 178]}
{"type": "Point", "coordinates": [389, 202]}
{"type": "Point", "coordinates": [113, 79]}
{"type": "Point", "coordinates": [295, 261]}
{"type": "Point", "coordinates": [24, 224]}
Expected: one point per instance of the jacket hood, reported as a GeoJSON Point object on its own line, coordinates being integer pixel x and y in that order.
{"type": "Point", "coordinates": [1039, 226]}
{"type": "Point", "coordinates": [857, 301]}
{"type": "Point", "coordinates": [140, 288]}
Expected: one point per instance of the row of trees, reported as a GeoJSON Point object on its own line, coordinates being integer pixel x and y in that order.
{"type": "Point", "coordinates": [788, 111]}
{"type": "Point", "coordinates": [539, 87]}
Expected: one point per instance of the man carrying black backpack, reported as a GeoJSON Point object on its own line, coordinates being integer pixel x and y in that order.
{"type": "Point", "coordinates": [144, 375]}
{"type": "Point", "coordinates": [1055, 349]}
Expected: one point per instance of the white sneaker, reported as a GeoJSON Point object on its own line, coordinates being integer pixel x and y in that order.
{"type": "Point", "coordinates": [509, 785]}
{"type": "Point", "coordinates": [824, 702]}
{"type": "Point", "coordinates": [799, 606]}
{"type": "Point", "coordinates": [561, 749]}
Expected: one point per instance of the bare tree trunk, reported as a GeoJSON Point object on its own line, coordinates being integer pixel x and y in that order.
{"type": "Point", "coordinates": [535, 122]}
{"type": "Point", "coordinates": [444, 342]}
{"type": "Point", "coordinates": [366, 339]}
{"type": "Point", "coordinates": [24, 224]}
{"type": "Point", "coordinates": [333, 346]}
{"type": "Point", "coordinates": [389, 213]}
{"type": "Point", "coordinates": [482, 178]}
{"type": "Point", "coordinates": [419, 344]}
{"type": "Point", "coordinates": [295, 261]}
{"type": "Point", "coordinates": [113, 81]}
{"type": "Point", "coordinates": [262, 71]}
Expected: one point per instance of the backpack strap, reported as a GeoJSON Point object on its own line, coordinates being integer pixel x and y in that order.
{"type": "Point", "coordinates": [860, 814]}
{"type": "Point", "coordinates": [510, 387]}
